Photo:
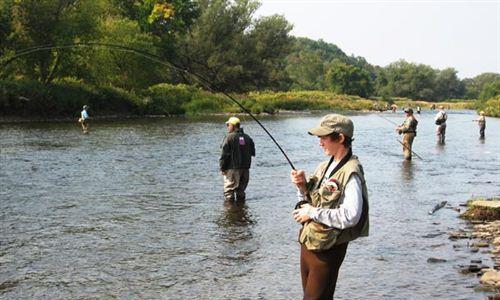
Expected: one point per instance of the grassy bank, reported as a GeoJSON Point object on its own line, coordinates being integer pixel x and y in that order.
{"type": "Point", "coordinates": [490, 107]}
{"type": "Point", "coordinates": [65, 98]}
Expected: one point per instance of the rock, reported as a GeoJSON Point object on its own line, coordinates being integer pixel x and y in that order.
{"type": "Point", "coordinates": [476, 261]}
{"type": "Point", "coordinates": [432, 235]}
{"type": "Point", "coordinates": [490, 278]}
{"type": "Point", "coordinates": [480, 244]}
{"type": "Point", "coordinates": [458, 235]}
{"type": "Point", "coordinates": [435, 260]}
{"type": "Point", "coordinates": [474, 249]}
{"type": "Point", "coordinates": [474, 268]}
{"type": "Point", "coordinates": [496, 250]}
{"type": "Point", "coordinates": [496, 241]}
{"type": "Point", "coordinates": [482, 210]}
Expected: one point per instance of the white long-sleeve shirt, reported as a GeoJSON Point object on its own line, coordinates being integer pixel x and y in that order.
{"type": "Point", "coordinates": [348, 213]}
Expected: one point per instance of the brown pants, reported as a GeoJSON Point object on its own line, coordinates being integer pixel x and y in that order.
{"type": "Point", "coordinates": [235, 182]}
{"type": "Point", "coordinates": [441, 133]}
{"type": "Point", "coordinates": [407, 143]}
{"type": "Point", "coordinates": [319, 271]}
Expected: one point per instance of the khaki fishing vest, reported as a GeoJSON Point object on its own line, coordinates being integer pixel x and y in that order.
{"type": "Point", "coordinates": [318, 237]}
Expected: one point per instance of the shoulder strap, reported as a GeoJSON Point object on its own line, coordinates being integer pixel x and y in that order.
{"type": "Point", "coordinates": [342, 162]}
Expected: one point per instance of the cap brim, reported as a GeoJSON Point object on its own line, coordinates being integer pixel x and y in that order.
{"type": "Point", "coordinates": [319, 131]}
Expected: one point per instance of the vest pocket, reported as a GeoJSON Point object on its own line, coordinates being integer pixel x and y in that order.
{"type": "Point", "coordinates": [318, 237]}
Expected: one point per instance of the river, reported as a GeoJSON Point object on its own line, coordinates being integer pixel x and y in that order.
{"type": "Point", "coordinates": [134, 210]}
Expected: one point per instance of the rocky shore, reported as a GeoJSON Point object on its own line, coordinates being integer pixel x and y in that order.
{"type": "Point", "coordinates": [483, 234]}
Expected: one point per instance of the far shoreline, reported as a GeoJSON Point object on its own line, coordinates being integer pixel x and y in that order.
{"type": "Point", "coordinates": [117, 117]}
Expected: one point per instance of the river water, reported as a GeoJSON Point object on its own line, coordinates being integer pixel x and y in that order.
{"type": "Point", "coordinates": [134, 210]}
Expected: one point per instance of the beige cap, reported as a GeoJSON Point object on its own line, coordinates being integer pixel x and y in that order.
{"type": "Point", "coordinates": [333, 123]}
{"type": "Point", "coordinates": [233, 121]}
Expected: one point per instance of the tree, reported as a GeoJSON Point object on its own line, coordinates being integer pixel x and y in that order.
{"type": "Point", "coordinates": [410, 80]}
{"type": "Point", "coordinates": [308, 62]}
{"type": "Point", "coordinates": [49, 22]}
{"type": "Point", "coordinates": [474, 86]}
{"type": "Point", "coordinates": [348, 79]}
{"type": "Point", "coordinates": [448, 86]}
{"type": "Point", "coordinates": [490, 90]}
{"type": "Point", "coordinates": [233, 51]}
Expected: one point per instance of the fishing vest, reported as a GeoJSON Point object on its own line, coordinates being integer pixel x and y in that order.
{"type": "Point", "coordinates": [319, 237]}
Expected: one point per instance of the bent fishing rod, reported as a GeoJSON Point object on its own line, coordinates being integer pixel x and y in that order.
{"type": "Point", "coordinates": [392, 122]}
{"type": "Point", "coordinates": [153, 57]}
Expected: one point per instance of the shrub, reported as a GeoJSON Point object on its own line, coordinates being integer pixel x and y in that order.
{"type": "Point", "coordinates": [168, 99]}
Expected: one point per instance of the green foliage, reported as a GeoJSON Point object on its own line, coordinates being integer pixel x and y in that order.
{"type": "Point", "coordinates": [234, 51]}
{"type": "Point", "coordinates": [490, 90]}
{"type": "Point", "coordinates": [475, 85]}
{"type": "Point", "coordinates": [342, 78]}
{"type": "Point", "coordinates": [447, 85]}
{"type": "Point", "coordinates": [203, 102]}
{"type": "Point", "coordinates": [48, 22]}
{"type": "Point", "coordinates": [64, 97]}
{"type": "Point", "coordinates": [492, 107]}
{"type": "Point", "coordinates": [308, 62]}
{"type": "Point", "coordinates": [168, 99]}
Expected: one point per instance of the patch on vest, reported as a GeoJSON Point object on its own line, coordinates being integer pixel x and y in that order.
{"type": "Point", "coordinates": [242, 141]}
{"type": "Point", "coordinates": [332, 185]}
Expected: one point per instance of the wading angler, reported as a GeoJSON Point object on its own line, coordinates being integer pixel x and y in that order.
{"type": "Point", "coordinates": [333, 207]}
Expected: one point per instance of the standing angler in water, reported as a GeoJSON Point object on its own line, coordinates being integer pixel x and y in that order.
{"type": "Point", "coordinates": [235, 160]}
{"type": "Point", "coordinates": [84, 119]}
{"type": "Point", "coordinates": [409, 131]}
{"type": "Point", "coordinates": [440, 121]}
{"type": "Point", "coordinates": [333, 207]}
{"type": "Point", "coordinates": [481, 121]}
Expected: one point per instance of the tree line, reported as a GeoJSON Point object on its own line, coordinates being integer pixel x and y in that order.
{"type": "Point", "coordinates": [222, 41]}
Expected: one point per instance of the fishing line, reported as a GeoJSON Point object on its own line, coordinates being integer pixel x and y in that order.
{"type": "Point", "coordinates": [153, 57]}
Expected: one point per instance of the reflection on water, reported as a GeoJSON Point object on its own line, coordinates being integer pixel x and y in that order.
{"type": "Point", "coordinates": [236, 214]}
{"type": "Point", "coordinates": [134, 210]}
{"type": "Point", "coordinates": [407, 170]}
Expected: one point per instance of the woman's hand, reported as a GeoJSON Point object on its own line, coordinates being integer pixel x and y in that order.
{"type": "Point", "coordinates": [301, 214]}
{"type": "Point", "coordinates": [298, 177]}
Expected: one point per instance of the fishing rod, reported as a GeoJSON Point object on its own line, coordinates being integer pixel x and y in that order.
{"type": "Point", "coordinates": [392, 122]}
{"type": "Point", "coordinates": [153, 57]}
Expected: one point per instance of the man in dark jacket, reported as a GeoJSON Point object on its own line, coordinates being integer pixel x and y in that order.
{"type": "Point", "coordinates": [235, 160]}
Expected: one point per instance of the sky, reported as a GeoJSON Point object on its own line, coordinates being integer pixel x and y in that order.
{"type": "Point", "coordinates": [464, 35]}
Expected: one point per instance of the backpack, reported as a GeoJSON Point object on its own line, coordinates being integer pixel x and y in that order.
{"type": "Point", "coordinates": [442, 119]}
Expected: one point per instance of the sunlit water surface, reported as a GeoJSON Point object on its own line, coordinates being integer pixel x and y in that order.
{"type": "Point", "coordinates": [135, 210]}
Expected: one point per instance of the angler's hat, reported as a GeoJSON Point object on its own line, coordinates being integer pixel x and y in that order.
{"type": "Point", "coordinates": [333, 123]}
{"type": "Point", "coordinates": [85, 106]}
{"type": "Point", "coordinates": [233, 121]}
{"type": "Point", "coordinates": [409, 110]}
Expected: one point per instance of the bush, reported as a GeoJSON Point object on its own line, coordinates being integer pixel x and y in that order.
{"type": "Point", "coordinates": [168, 99]}
{"type": "Point", "coordinates": [63, 98]}
{"type": "Point", "coordinates": [204, 102]}
{"type": "Point", "coordinates": [492, 107]}
{"type": "Point", "coordinates": [23, 98]}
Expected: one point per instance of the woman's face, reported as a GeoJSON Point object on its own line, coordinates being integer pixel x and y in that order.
{"type": "Point", "coordinates": [329, 146]}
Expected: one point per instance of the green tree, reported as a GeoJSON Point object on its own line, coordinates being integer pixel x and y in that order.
{"type": "Point", "coordinates": [410, 80]}
{"type": "Point", "coordinates": [490, 90]}
{"type": "Point", "coordinates": [474, 86]}
{"type": "Point", "coordinates": [233, 51]}
{"type": "Point", "coordinates": [448, 85]}
{"type": "Point", "coordinates": [348, 79]}
{"type": "Point", "coordinates": [308, 62]}
{"type": "Point", "coordinates": [48, 22]}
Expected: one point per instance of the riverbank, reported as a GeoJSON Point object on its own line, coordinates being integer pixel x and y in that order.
{"type": "Point", "coordinates": [483, 231]}
{"type": "Point", "coordinates": [64, 99]}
